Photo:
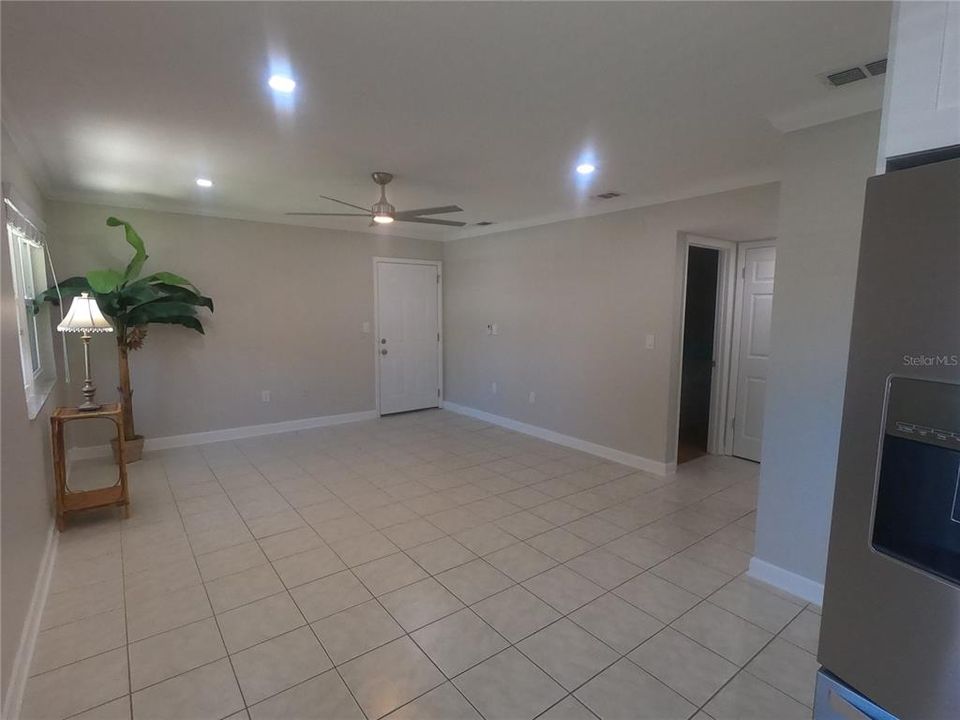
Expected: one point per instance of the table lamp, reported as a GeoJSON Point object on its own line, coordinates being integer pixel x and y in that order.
{"type": "Point", "coordinates": [85, 317]}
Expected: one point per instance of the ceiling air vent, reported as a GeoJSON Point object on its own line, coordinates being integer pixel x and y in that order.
{"type": "Point", "coordinates": [483, 222]}
{"type": "Point", "coordinates": [860, 72]}
{"type": "Point", "coordinates": [608, 195]}
{"type": "Point", "coordinates": [877, 67]}
{"type": "Point", "coordinates": [845, 77]}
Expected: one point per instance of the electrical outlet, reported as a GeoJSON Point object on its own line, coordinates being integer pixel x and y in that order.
{"type": "Point", "coordinates": [533, 397]}
{"type": "Point", "coordinates": [365, 328]}
{"type": "Point", "coordinates": [264, 396]}
{"type": "Point", "coordinates": [650, 342]}
{"type": "Point", "coordinates": [493, 388]}
{"type": "Point", "coordinates": [495, 329]}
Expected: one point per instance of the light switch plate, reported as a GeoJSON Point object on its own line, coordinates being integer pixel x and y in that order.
{"type": "Point", "coordinates": [650, 341]}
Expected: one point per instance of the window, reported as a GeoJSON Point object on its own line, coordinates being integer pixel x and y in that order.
{"type": "Point", "coordinates": [31, 255]}
{"type": "Point", "coordinates": [29, 275]}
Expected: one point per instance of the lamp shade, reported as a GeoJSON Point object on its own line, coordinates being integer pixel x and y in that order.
{"type": "Point", "coordinates": [85, 317]}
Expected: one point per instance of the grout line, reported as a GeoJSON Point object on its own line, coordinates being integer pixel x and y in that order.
{"type": "Point", "coordinates": [743, 667]}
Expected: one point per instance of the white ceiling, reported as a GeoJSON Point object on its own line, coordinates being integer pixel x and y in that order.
{"type": "Point", "coordinates": [486, 105]}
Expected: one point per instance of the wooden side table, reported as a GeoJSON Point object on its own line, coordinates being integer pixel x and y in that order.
{"type": "Point", "coordinates": [72, 501]}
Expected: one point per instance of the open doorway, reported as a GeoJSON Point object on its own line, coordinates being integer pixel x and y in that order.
{"type": "Point", "coordinates": [724, 341]}
{"type": "Point", "coordinates": [698, 361]}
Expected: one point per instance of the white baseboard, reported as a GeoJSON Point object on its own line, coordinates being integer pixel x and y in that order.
{"type": "Point", "coordinates": [790, 582]}
{"type": "Point", "coordinates": [608, 453]}
{"type": "Point", "coordinates": [237, 433]}
{"type": "Point", "coordinates": [31, 629]}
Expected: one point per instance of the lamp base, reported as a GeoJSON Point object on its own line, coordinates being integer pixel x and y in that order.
{"type": "Point", "coordinates": [89, 406]}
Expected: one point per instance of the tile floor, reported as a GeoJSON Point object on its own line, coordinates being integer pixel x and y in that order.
{"type": "Point", "coordinates": [420, 566]}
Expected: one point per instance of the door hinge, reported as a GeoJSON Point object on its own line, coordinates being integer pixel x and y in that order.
{"type": "Point", "coordinates": [438, 278]}
{"type": "Point", "coordinates": [743, 272]}
{"type": "Point", "coordinates": [438, 337]}
{"type": "Point", "coordinates": [438, 392]}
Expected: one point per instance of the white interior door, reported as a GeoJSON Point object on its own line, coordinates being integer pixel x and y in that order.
{"type": "Point", "coordinates": [408, 342]}
{"type": "Point", "coordinates": [758, 264]}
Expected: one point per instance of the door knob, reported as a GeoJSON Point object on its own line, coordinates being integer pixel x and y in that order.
{"type": "Point", "coordinates": [383, 351]}
{"type": "Point", "coordinates": [383, 341]}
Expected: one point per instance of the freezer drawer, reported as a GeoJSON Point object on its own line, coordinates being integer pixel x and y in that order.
{"type": "Point", "coordinates": [836, 701]}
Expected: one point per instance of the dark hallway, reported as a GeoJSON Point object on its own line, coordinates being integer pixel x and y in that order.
{"type": "Point", "coordinates": [699, 323]}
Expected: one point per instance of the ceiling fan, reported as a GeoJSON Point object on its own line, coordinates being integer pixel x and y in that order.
{"type": "Point", "coordinates": [383, 213]}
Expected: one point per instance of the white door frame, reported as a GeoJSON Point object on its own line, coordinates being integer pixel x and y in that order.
{"type": "Point", "coordinates": [376, 321]}
{"type": "Point", "coordinates": [735, 336]}
{"type": "Point", "coordinates": [722, 336]}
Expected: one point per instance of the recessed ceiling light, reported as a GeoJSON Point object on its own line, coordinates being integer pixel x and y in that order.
{"type": "Point", "coordinates": [282, 83]}
{"type": "Point", "coordinates": [204, 182]}
{"type": "Point", "coordinates": [585, 168]}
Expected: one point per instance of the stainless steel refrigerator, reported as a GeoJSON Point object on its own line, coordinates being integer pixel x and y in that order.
{"type": "Point", "coordinates": [890, 635]}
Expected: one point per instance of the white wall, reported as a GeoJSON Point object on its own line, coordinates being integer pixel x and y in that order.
{"type": "Point", "coordinates": [574, 301]}
{"type": "Point", "coordinates": [26, 484]}
{"type": "Point", "coordinates": [290, 303]}
{"type": "Point", "coordinates": [825, 169]}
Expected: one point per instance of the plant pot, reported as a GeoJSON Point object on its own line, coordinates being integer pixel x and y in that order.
{"type": "Point", "coordinates": [132, 450]}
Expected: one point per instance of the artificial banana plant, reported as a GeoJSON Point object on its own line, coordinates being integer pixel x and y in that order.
{"type": "Point", "coordinates": [132, 303]}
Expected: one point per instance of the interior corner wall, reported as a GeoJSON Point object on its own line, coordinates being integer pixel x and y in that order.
{"type": "Point", "coordinates": [825, 169]}
{"type": "Point", "coordinates": [574, 302]}
{"type": "Point", "coordinates": [26, 472]}
{"type": "Point", "coordinates": [290, 304]}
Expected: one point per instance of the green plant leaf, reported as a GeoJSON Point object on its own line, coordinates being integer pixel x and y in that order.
{"type": "Point", "coordinates": [185, 320]}
{"type": "Point", "coordinates": [181, 294]}
{"type": "Point", "coordinates": [104, 281]}
{"type": "Point", "coordinates": [159, 310]}
{"type": "Point", "coordinates": [134, 240]}
{"type": "Point", "coordinates": [168, 278]}
{"type": "Point", "coordinates": [69, 288]}
{"type": "Point", "coordinates": [110, 305]}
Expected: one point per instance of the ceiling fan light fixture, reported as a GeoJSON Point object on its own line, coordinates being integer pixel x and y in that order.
{"type": "Point", "coordinates": [383, 211]}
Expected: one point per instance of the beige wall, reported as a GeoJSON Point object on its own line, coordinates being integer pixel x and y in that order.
{"type": "Point", "coordinates": [25, 467]}
{"type": "Point", "coordinates": [574, 301]}
{"type": "Point", "coordinates": [290, 304]}
{"type": "Point", "coordinates": [825, 169]}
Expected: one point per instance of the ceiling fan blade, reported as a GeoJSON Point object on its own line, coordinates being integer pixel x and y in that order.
{"type": "Point", "coordinates": [430, 210]}
{"type": "Point", "coordinates": [429, 221]}
{"type": "Point", "coordinates": [344, 202]}
{"type": "Point", "coordinates": [330, 214]}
